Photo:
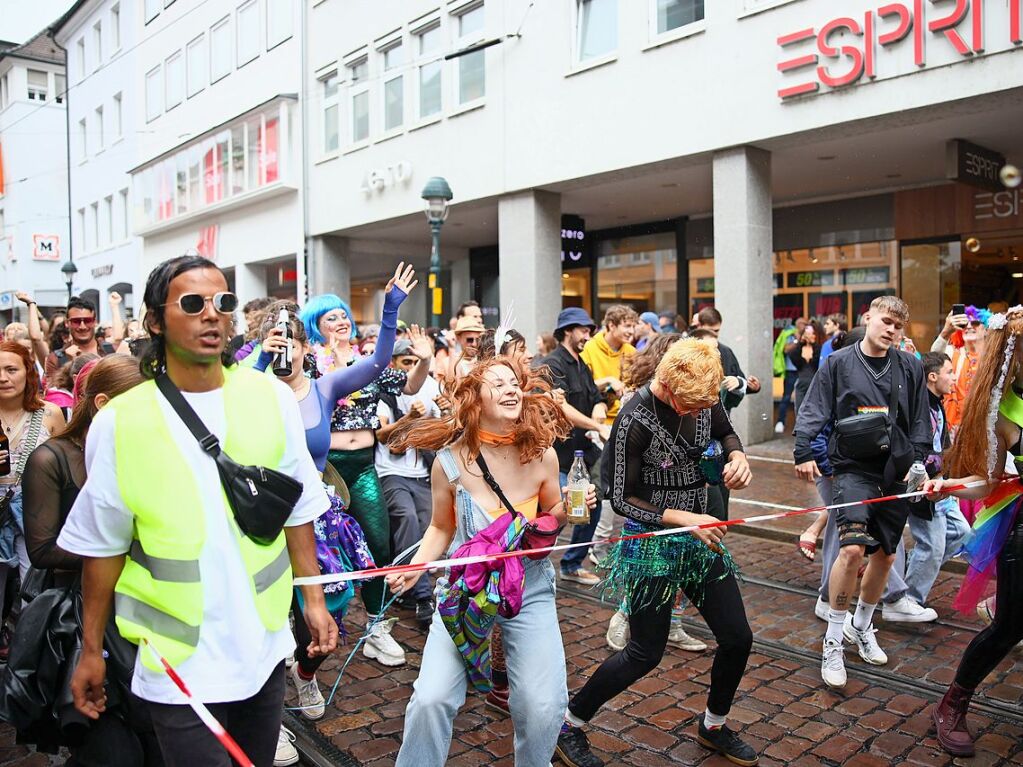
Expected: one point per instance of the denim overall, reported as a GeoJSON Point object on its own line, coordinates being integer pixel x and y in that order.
{"type": "Point", "coordinates": [533, 651]}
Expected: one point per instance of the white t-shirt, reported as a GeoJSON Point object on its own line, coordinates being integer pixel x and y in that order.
{"type": "Point", "coordinates": [236, 653]}
{"type": "Point", "coordinates": [409, 463]}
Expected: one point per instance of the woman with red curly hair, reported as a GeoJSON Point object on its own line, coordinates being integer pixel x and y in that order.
{"type": "Point", "coordinates": [27, 422]}
{"type": "Point", "coordinates": [502, 415]}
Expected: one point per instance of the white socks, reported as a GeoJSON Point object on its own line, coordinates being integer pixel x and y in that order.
{"type": "Point", "coordinates": [836, 620]}
{"type": "Point", "coordinates": [863, 615]}
{"type": "Point", "coordinates": [712, 721]}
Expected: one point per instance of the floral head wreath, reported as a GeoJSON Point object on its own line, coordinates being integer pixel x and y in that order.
{"type": "Point", "coordinates": [997, 322]}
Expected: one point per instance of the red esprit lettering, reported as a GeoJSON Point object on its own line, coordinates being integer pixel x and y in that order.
{"type": "Point", "coordinates": [1015, 28]}
{"type": "Point", "coordinates": [854, 54]}
{"type": "Point", "coordinates": [905, 17]}
{"type": "Point", "coordinates": [918, 32]}
{"type": "Point", "coordinates": [798, 62]}
{"type": "Point", "coordinates": [978, 25]}
{"type": "Point", "coordinates": [948, 24]}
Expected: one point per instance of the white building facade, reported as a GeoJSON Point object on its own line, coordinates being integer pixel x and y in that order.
{"type": "Point", "coordinates": [219, 167]}
{"type": "Point", "coordinates": [775, 158]}
{"type": "Point", "coordinates": [103, 139]}
{"type": "Point", "coordinates": [33, 175]}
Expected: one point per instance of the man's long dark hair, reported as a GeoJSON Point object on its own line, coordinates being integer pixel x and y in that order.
{"type": "Point", "coordinates": [154, 359]}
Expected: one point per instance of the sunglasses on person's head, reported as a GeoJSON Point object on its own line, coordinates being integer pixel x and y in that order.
{"type": "Point", "coordinates": [193, 303]}
{"type": "Point", "coordinates": [82, 322]}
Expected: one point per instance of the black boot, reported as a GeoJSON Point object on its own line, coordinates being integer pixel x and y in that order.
{"type": "Point", "coordinates": [574, 749]}
{"type": "Point", "coordinates": [727, 743]}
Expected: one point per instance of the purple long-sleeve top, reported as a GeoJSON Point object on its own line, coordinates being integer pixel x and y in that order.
{"type": "Point", "coordinates": [325, 391]}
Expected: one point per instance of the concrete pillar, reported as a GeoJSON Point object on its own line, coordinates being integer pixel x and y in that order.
{"type": "Point", "coordinates": [330, 271]}
{"type": "Point", "coordinates": [743, 284]}
{"type": "Point", "coordinates": [529, 240]}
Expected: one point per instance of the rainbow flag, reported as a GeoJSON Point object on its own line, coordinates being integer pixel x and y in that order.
{"type": "Point", "coordinates": [990, 529]}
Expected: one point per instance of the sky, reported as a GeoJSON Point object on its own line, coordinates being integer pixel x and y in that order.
{"type": "Point", "coordinates": [20, 19]}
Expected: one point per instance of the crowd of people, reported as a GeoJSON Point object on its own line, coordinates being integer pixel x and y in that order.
{"type": "Point", "coordinates": [167, 478]}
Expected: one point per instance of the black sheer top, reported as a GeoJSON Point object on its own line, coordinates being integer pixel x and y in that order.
{"type": "Point", "coordinates": [54, 474]}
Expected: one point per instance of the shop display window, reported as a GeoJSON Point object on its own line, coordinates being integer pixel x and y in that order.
{"type": "Point", "coordinates": [640, 271]}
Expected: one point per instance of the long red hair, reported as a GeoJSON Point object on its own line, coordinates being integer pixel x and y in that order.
{"type": "Point", "coordinates": [539, 425]}
{"type": "Point", "coordinates": [32, 399]}
{"type": "Point", "coordinates": [969, 453]}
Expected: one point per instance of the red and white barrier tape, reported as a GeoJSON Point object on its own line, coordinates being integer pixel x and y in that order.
{"type": "Point", "coordinates": [443, 563]}
{"type": "Point", "coordinates": [201, 711]}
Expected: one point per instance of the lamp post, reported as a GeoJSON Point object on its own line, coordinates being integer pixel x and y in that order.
{"type": "Point", "coordinates": [70, 270]}
{"type": "Point", "coordinates": [437, 194]}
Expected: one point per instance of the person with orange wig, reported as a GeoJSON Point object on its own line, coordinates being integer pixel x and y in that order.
{"type": "Point", "coordinates": [501, 428]}
{"type": "Point", "coordinates": [991, 430]}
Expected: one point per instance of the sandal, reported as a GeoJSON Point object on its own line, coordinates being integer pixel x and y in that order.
{"type": "Point", "coordinates": [808, 548]}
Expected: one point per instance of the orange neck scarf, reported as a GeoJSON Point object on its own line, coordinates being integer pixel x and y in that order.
{"type": "Point", "coordinates": [489, 438]}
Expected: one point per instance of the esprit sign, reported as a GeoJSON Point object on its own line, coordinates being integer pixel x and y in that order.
{"type": "Point", "coordinates": [848, 49]}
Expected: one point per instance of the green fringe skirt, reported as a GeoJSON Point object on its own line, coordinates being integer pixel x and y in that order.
{"type": "Point", "coordinates": [649, 572]}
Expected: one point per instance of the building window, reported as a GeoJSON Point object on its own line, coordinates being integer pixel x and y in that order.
{"type": "Point", "coordinates": [118, 116]}
{"type": "Point", "coordinates": [80, 220]}
{"type": "Point", "coordinates": [358, 76]}
{"type": "Point", "coordinates": [174, 74]}
{"type": "Point", "coordinates": [94, 226]}
{"type": "Point", "coordinates": [100, 138]}
{"type": "Point", "coordinates": [195, 64]}
{"type": "Point", "coordinates": [115, 28]}
{"type": "Point", "coordinates": [675, 14]}
{"type": "Point", "coordinates": [394, 88]}
{"type": "Point", "coordinates": [83, 145]}
{"type": "Point", "coordinates": [124, 211]}
{"type": "Point", "coordinates": [97, 44]}
{"type": "Point", "coordinates": [331, 139]}
{"type": "Point", "coordinates": [154, 98]}
{"type": "Point", "coordinates": [3, 92]}
{"type": "Point", "coordinates": [108, 219]}
{"type": "Point", "coordinates": [248, 32]}
{"type": "Point", "coordinates": [279, 14]}
{"type": "Point", "coordinates": [472, 66]}
{"type": "Point", "coordinates": [37, 82]}
{"type": "Point", "coordinates": [597, 28]}
{"type": "Point", "coordinates": [80, 48]}
{"type": "Point", "coordinates": [59, 88]}
{"type": "Point", "coordinates": [220, 50]}
{"type": "Point", "coordinates": [152, 9]}
{"type": "Point", "coordinates": [430, 101]}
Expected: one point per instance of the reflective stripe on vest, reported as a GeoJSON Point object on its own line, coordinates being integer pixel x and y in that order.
{"type": "Point", "coordinates": [160, 592]}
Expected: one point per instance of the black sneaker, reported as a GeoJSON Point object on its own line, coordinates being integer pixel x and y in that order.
{"type": "Point", "coordinates": [424, 612]}
{"type": "Point", "coordinates": [574, 750]}
{"type": "Point", "coordinates": [727, 743]}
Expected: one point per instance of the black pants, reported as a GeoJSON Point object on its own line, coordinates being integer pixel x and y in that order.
{"type": "Point", "coordinates": [410, 507]}
{"type": "Point", "coordinates": [991, 645]}
{"type": "Point", "coordinates": [303, 637]}
{"type": "Point", "coordinates": [253, 723]}
{"type": "Point", "coordinates": [717, 501]}
{"type": "Point", "coordinates": [724, 613]}
{"type": "Point", "coordinates": [113, 742]}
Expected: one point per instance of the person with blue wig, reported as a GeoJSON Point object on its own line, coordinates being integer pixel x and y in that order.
{"type": "Point", "coordinates": [331, 329]}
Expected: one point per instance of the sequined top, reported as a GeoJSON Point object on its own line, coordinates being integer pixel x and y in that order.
{"type": "Point", "coordinates": [359, 410]}
{"type": "Point", "coordinates": [655, 457]}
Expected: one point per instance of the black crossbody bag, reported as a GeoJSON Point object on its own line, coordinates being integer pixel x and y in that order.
{"type": "Point", "coordinates": [262, 499]}
{"type": "Point", "coordinates": [867, 436]}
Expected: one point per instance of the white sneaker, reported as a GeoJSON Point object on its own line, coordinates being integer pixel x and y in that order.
{"type": "Point", "coordinates": [286, 754]}
{"type": "Point", "coordinates": [865, 642]}
{"type": "Point", "coordinates": [905, 610]}
{"type": "Point", "coordinates": [380, 645]}
{"type": "Point", "coordinates": [677, 637]}
{"type": "Point", "coordinates": [289, 661]}
{"type": "Point", "coordinates": [618, 631]}
{"type": "Point", "coordinates": [779, 428]}
{"type": "Point", "coordinates": [310, 699]}
{"type": "Point", "coordinates": [833, 665]}
{"type": "Point", "coordinates": [594, 559]}
{"type": "Point", "coordinates": [820, 609]}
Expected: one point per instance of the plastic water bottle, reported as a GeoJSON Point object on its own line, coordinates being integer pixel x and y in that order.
{"type": "Point", "coordinates": [578, 484]}
{"type": "Point", "coordinates": [917, 477]}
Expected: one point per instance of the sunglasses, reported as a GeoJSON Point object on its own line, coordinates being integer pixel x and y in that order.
{"type": "Point", "coordinates": [82, 322]}
{"type": "Point", "coordinates": [470, 341]}
{"type": "Point", "coordinates": [193, 303]}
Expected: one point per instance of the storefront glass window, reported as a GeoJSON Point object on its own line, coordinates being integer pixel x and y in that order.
{"type": "Point", "coordinates": [640, 271]}
{"type": "Point", "coordinates": [575, 289]}
{"type": "Point", "coordinates": [930, 285]}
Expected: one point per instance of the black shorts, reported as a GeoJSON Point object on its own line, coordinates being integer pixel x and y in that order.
{"type": "Point", "coordinates": [877, 525]}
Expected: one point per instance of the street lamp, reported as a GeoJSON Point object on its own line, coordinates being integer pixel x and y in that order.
{"type": "Point", "coordinates": [70, 270]}
{"type": "Point", "coordinates": [437, 194]}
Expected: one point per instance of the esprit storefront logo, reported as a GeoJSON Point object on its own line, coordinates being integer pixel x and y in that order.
{"type": "Point", "coordinates": [846, 49]}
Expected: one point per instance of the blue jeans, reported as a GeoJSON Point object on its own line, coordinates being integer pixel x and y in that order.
{"type": "Point", "coordinates": [937, 541]}
{"type": "Point", "coordinates": [574, 558]}
{"type": "Point", "coordinates": [534, 653]}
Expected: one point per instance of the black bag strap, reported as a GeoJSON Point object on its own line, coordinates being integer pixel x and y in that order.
{"type": "Point", "coordinates": [489, 479]}
{"type": "Point", "coordinates": [209, 443]}
{"type": "Point", "coordinates": [893, 397]}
